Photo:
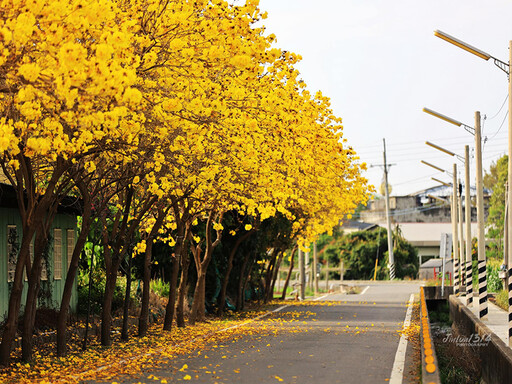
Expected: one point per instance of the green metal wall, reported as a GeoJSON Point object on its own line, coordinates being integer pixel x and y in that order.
{"type": "Point", "coordinates": [52, 289]}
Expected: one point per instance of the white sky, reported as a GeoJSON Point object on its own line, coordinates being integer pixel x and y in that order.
{"type": "Point", "coordinates": [380, 64]}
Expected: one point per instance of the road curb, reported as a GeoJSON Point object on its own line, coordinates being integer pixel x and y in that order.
{"type": "Point", "coordinates": [429, 362]}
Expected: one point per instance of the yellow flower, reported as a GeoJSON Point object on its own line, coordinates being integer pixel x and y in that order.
{"type": "Point", "coordinates": [29, 71]}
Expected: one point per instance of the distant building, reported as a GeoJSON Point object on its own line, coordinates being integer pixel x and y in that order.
{"type": "Point", "coordinates": [351, 226]}
{"type": "Point", "coordinates": [422, 217]}
{"type": "Point", "coordinates": [53, 276]}
{"type": "Point", "coordinates": [433, 268]}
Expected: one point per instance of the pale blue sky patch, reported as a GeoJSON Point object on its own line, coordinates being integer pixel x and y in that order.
{"type": "Point", "coordinates": [380, 64]}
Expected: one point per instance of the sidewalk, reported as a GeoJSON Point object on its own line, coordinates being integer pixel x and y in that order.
{"type": "Point", "coordinates": [497, 318]}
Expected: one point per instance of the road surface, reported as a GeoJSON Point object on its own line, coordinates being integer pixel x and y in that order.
{"type": "Point", "coordinates": [342, 339]}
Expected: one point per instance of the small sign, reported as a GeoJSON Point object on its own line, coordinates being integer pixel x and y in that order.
{"type": "Point", "coordinates": [446, 245]}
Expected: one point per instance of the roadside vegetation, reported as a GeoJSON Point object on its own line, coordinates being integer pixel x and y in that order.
{"type": "Point", "coordinates": [365, 254]}
{"type": "Point", "coordinates": [195, 153]}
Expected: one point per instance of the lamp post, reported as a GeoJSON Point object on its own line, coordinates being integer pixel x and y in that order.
{"type": "Point", "coordinates": [482, 276]}
{"type": "Point", "coordinates": [463, 260]}
{"type": "Point", "coordinates": [391, 260]}
{"type": "Point", "coordinates": [507, 68]}
{"type": "Point", "coordinates": [469, 261]}
{"type": "Point", "coordinates": [455, 236]}
{"type": "Point", "coordinates": [441, 182]}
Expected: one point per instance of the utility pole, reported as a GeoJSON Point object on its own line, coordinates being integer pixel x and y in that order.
{"type": "Point", "coordinates": [482, 273]}
{"type": "Point", "coordinates": [469, 262]}
{"type": "Point", "coordinates": [315, 269]}
{"type": "Point", "coordinates": [391, 263]}
{"type": "Point", "coordinates": [302, 275]}
{"type": "Point", "coordinates": [461, 270]}
{"type": "Point", "coordinates": [509, 195]}
{"type": "Point", "coordinates": [505, 237]}
{"type": "Point", "coordinates": [455, 234]}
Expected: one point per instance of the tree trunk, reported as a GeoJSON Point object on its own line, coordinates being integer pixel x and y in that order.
{"type": "Point", "coordinates": [275, 273]}
{"type": "Point", "coordinates": [106, 312]}
{"type": "Point", "coordinates": [268, 276]}
{"type": "Point", "coordinates": [290, 270]}
{"type": "Point", "coordinates": [177, 258]}
{"type": "Point", "coordinates": [144, 311]}
{"type": "Point", "coordinates": [91, 268]}
{"type": "Point", "coordinates": [29, 316]}
{"type": "Point", "coordinates": [33, 210]}
{"type": "Point", "coordinates": [198, 305]}
{"type": "Point", "coordinates": [127, 300]}
{"type": "Point", "coordinates": [11, 323]}
{"type": "Point", "coordinates": [144, 308]}
{"type": "Point", "coordinates": [221, 302]}
{"type": "Point", "coordinates": [169, 309]}
{"type": "Point", "coordinates": [244, 288]}
{"type": "Point", "coordinates": [239, 297]}
{"type": "Point", "coordinates": [73, 267]}
{"type": "Point", "coordinates": [182, 290]}
{"type": "Point", "coordinates": [123, 232]}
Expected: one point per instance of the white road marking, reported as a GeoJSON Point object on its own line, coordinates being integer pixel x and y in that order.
{"type": "Point", "coordinates": [321, 297]}
{"type": "Point", "coordinates": [364, 290]}
{"type": "Point", "coordinates": [397, 373]}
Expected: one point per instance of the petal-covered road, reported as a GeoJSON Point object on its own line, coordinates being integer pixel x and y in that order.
{"type": "Point", "coordinates": [337, 339]}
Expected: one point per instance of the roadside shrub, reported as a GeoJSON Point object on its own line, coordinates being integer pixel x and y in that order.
{"type": "Point", "coordinates": [494, 283]}
{"type": "Point", "coordinates": [502, 299]}
{"type": "Point", "coordinates": [160, 287]}
{"type": "Point", "coordinates": [97, 291]}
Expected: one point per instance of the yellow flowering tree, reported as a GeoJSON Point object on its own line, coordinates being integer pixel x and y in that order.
{"type": "Point", "coordinates": [64, 90]}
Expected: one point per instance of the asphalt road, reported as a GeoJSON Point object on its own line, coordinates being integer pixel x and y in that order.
{"type": "Point", "coordinates": [343, 339]}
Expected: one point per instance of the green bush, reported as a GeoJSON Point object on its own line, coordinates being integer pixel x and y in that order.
{"type": "Point", "coordinates": [494, 283]}
{"type": "Point", "coordinates": [360, 250]}
{"type": "Point", "coordinates": [502, 299]}
{"type": "Point", "coordinates": [97, 291]}
{"type": "Point", "coordinates": [160, 287]}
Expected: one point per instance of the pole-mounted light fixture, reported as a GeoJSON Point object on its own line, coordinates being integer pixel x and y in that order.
{"type": "Point", "coordinates": [449, 120]}
{"type": "Point", "coordinates": [463, 45]}
{"type": "Point", "coordinates": [435, 146]}
{"type": "Point", "coordinates": [433, 166]}
{"type": "Point", "coordinates": [440, 148]}
{"type": "Point", "coordinates": [442, 117]}
{"type": "Point", "coordinates": [475, 51]}
{"type": "Point", "coordinates": [441, 182]}
{"type": "Point", "coordinates": [438, 198]}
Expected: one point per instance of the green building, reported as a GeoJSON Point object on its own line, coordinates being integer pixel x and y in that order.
{"type": "Point", "coordinates": [63, 235]}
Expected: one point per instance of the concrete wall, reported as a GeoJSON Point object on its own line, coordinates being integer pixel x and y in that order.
{"type": "Point", "coordinates": [495, 355]}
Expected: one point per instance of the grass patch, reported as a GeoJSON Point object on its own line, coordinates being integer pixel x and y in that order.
{"type": "Point", "coordinates": [501, 299]}
{"type": "Point", "coordinates": [457, 364]}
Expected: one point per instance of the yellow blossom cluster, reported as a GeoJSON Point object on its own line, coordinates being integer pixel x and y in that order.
{"type": "Point", "coordinates": [190, 100]}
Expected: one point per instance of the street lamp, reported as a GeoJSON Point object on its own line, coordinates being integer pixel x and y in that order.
{"type": "Point", "coordinates": [455, 236]}
{"type": "Point", "coordinates": [466, 269]}
{"type": "Point", "coordinates": [463, 45]}
{"type": "Point", "coordinates": [507, 68]}
{"type": "Point", "coordinates": [441, 182]}
{"type": "Point", "coordinates": [441, 149]}
{"type": "Point", "coordinates": [475, 51]}
{"type": "Point", "coordinates": [433, 166]}
{"type": "Point", "coordinates": [482, 276]}
{"type": "Point", "coordinates": [444, 201]}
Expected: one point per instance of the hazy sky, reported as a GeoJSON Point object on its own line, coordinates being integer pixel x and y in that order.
{"type": "Point", "coordinates": [380, 64]}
